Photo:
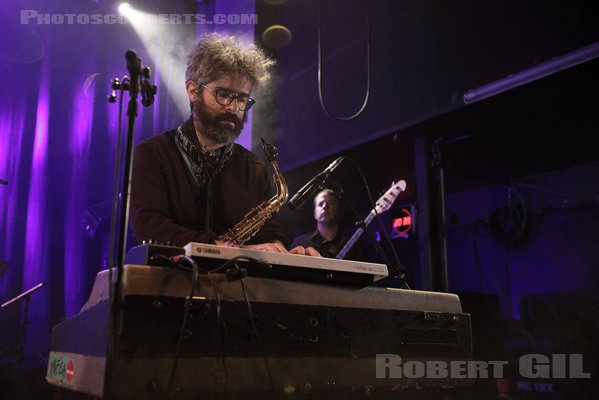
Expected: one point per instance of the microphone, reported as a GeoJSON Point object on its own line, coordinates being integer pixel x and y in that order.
{"type": "Point", "coordinates": [310, 188]}
{"type": "Point", "coordinates": [133, 64]}
{"type": "Point", "coordinates": [135, 70]}
{"type": "Point", "coordinates": [138, 83]}
{"type": "Point", "coordinates": [147, 92]}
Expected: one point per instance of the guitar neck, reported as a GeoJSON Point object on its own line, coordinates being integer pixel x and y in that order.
{"type": "Point", "coordinates": [352, 240]}
{"type": "Point", "coordinates": [382, 205]}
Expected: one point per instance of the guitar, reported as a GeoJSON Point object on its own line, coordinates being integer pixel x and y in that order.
{"type": "Point", "coordinates": [381, 205]}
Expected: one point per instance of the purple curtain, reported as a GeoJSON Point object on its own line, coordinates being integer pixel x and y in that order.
{"type": "Point", "coordinates": [58, 138]}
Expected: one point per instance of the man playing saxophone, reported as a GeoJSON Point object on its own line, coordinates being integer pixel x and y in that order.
{"type": "Point", "coordinates": [194, 183]}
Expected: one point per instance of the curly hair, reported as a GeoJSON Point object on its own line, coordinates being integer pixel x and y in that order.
{"type": "Point", "coordinates": [215, 55]}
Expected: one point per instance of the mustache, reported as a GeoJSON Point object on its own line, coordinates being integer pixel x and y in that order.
{"type": "Point", "coordinates": [229, 118]}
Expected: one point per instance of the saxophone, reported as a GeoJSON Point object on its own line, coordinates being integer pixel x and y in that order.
{"type": "Point", "coordinates": [255, 219]}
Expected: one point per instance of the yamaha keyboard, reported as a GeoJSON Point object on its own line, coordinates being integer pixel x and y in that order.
{"type": "Point", "coordinates": [293, 266]}
{"type": "Point", "coordinates": [269, 265]}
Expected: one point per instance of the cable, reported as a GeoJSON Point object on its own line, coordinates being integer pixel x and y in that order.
{"type": "Point", "coordinates": [188, 300]}
{"type": "Point", "coordinates": [176, 261]}
{"type": "Point", "coordinates": [272, 384]}
{"type": "Point", "coordinates": [253, 330]}
{"type": "Point", "coordinates": [219, 319]}
{"type": "Point", "coordinates": [238, 274]}
{"type": "Point", "coordinates": [509, 224]}
{"type": "Point", "coordinates": [241, 258]}
{"type": "Point", "coordinates": [219, 316]}
{"type": "Point", "coordinates": [221, 324]}
{"type": "Point", "coordinates": [368, 67]}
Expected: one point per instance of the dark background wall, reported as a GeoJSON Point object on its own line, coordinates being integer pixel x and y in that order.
{"type": "Point", "coordinates": [520, 168]}
{"type": "Point", "coordinates": [424, 54]}
{"type": "Point", "coordinates": [547, 125]}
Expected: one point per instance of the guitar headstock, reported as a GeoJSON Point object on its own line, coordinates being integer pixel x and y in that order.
{"type": "Point", "coordinates": [387, 200]}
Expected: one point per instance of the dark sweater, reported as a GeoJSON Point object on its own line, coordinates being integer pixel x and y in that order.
{"type": "Point", "coordinates": [329, 248]}
{"type": "Point", "coordinates": [165, 208]}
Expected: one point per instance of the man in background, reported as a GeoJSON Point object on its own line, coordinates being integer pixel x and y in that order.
{"type": "Point", "coordinates": [328, 238]}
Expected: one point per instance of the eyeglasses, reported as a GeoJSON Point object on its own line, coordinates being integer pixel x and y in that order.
{"type": "Point", "coordinates": [224, 97]}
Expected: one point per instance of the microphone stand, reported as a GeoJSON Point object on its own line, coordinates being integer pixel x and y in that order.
{"type": "Point", "coordinates": [398, 271]}
{"type": "Point", "coordinates": [313, 186]}
{"type": "Point", "coordinates": [134, 86]}
{"type": "Point", "coordinates": [317, 184]}
{"type": "Point", "coordinates": [26, 295]}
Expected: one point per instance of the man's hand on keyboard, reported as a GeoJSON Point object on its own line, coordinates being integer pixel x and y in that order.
{"type": "Point", "coordinates": [305, 251]}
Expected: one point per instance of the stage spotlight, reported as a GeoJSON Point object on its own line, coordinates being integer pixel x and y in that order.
{"type": "Point", "coordinates": [164, 58]}
{"type": "Point", "coordinates": [133, 15]}
{"type": "Point", "coordinates": [276, 36]}
{"type": "Point", "coordinates": [125, 8]}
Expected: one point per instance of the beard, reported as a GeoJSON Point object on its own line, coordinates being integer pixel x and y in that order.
{"type": "Point", "coordinates": [210, 125]}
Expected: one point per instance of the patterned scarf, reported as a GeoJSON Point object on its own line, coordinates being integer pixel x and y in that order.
{"type": "Point", "coordinates": [204, 164]}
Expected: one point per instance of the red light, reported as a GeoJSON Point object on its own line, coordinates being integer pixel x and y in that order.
{"type": "Point", "coordinates": [401, 223]}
